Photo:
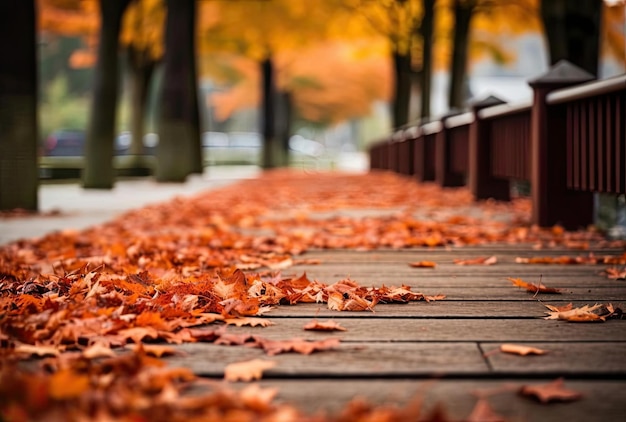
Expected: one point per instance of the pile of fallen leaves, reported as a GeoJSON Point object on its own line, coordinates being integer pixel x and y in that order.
{"type": "Point", "coordinates": [182, 271]}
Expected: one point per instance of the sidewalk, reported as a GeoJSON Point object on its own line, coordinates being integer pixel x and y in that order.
{"type": "Point", "coordinates": [67, 206]}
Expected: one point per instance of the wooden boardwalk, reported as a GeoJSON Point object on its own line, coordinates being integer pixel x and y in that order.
{"type": "Point", "coordinates": [446, 350]}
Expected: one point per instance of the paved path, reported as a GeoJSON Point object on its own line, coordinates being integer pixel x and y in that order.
{"type": "Point", "coordinates": [70, 207]}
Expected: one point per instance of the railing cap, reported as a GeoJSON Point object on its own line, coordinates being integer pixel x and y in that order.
{"type": "Point", "coordinates": [459, 120]}
{"type": "Point", "coordinates": [489, 101]}
{"type": "Point", "coordinates": [431, 127]}
{"type": "Point", "coordinates": [587, 90]}
{"type": "Point", "coordinates": [563, 72]}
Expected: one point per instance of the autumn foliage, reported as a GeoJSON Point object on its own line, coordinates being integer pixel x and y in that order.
{"type": "Point", "coordinates": [86, 315]}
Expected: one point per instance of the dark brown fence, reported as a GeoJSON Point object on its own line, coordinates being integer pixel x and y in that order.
{"type": "Point", "coordinates": [596, 130]}
{"type": "Point", "coordinates": [569, 142]}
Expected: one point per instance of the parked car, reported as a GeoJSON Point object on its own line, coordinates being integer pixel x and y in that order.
{"type": "Point", "coordinates": [64, 143]}
{"type": "Point", "coordinates": [62, 153]}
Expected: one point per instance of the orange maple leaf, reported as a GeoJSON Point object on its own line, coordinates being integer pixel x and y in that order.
{"type": "Point", "coordinates": [297, 345]}
{"type": "Point", "coordinates": [252, 322]}
{"type": "Point", "coordinates": [248, 370]}
{"type": "Point", "coordinates": [551, 392]}
{"type": "Point", "coordinates": [533, 288]}
{"type": "Point", "coordinates": [156, 350]}
{"type": "Point", "coordinates": [329, 325]}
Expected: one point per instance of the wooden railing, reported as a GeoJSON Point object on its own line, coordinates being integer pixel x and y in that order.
{"type": "Point", "coordinates": [568, 143]}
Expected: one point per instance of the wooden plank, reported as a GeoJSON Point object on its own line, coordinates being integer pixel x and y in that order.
{"type": "Point", "coordinates": [529, 308]}
{"type": "Point", "coordinates": [591, 273]}
{"type": "Point", "coordinates": [602, 400]}
{"type": "Point", "coordinates": [398, 257]}
{"type": "Point", "coordinates": [434, 278]}
{"type": "Point", "coordinates": [375, 329]}
{"type": "Point", "coordinates": [416, 359]}
{"type": "Point", "coordinates": [603, 358]}
{"type": "Point", "coordinates": [348, 360]}
{"type": "Point", "coordinates": [504, 252]}
{"type": "Point", "coordinates": [514, 293]}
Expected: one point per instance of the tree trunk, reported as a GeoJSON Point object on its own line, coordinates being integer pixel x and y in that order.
{"type": "Point", "coordinates": [18, 106]}
{"type": "Point", "coordinates": [98, 172]}
{"type": "Point", "coordinates": [463, 10]}
{"type": "Point", "coordinates": [283, 125]}
{"type": "Point", "coordinates": [178, 151]}
{"type": "Point", "coordinates": [572, 29]}
{"type": "Point", "coordinates": [425, 77]}
{"type": "Point", "coordinates": [141, 70]}
{"type": "Point", "coordinates": [401, 89]}
{"type": "Point", "coordinates": [268, 114]}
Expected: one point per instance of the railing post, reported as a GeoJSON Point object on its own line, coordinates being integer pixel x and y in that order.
{"type": "Point", "coordinates": [481, 182]}
{"type": "Point", "coordinates": [552, 202]}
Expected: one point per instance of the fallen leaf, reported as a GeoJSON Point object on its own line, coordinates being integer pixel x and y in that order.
{"type": "Point", "coordinates": [257, 398]}
{"type": "Point", "coordinates": [233, 339]}
{"type": "Point", "coordinates": [491, 260]}
{"type": "Point", "coordinates": [248, 370]}
{"type": "Point", "coordinates": [586, 313]}
{"type": "Point", "coordinates": [156, 350]}
{"type": "Point", "coordinates": [521, 350]}
{"type": "Point", "coordinates": [329, 325]}
{"type": "Point", "coordinates": [98, 350]}
{"type": "Point", "coordinates": [137, 334]}
{"type": "Point", "coordinates": [551, 392]}
{"type": "Point", "coordinates": [533, 288]}
{"type": "Point", "coordinates": [615, 273]}
{"type": "Point", "coordinates": [307, 261]}
{"type": "Point", "coordinates": [250, 321]}
{"type": "Point", "coordinates": [423, 264]}
{"type": "Point", "coordinates": [296, 345]}
{"type": "Point", "coordinates": [31, 350]}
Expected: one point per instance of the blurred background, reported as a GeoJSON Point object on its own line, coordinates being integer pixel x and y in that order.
{"type": "Point", "coordinates": [342, 73]}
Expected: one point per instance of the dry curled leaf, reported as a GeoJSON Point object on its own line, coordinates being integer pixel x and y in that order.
{"type": "Point", "coordinates": [586, 313]}
{"type": "Point", "coordinates": [329, 325]}
{"type": "Point", "coordinates": [484, 260]}
{"type": "Point", "coordinates": [533, 288]}
{"type": "Point", "coordinates": [521, 350]}
{"type": "Point", "coordinates": [248, 370]}
{"type": "Point", "coordinates": [423, 264]}
{"type": "Point", "coordinates": [551, 392]}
